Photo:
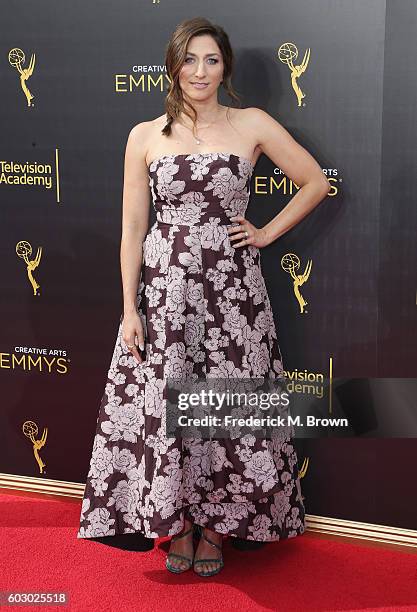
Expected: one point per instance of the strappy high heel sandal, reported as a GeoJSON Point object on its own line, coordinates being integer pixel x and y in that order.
{"type": "Point", "coordinates": [219, 560]}
{"type": "Point", "coordinates": [172, 568]}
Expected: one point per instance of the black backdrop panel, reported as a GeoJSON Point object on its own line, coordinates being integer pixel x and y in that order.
{"type": "Point", "coordinates": [357, 118]}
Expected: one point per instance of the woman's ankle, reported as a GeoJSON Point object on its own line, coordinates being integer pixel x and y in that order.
{"type": "Point", "coordinates": [214, 535]}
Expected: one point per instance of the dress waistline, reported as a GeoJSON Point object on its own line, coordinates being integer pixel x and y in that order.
{"type": "Point", "coordinates": [191, 223]}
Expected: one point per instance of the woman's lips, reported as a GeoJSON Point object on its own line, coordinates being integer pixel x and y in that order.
{"type": "Point", "coordinates": [199, 85]}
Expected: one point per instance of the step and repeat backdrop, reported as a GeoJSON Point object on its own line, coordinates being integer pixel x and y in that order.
{"type": "Point", "coordinates": [338, 75]}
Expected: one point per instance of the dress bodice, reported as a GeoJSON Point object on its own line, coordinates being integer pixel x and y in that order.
{"type": "Point", "coordinates": [189, 188]}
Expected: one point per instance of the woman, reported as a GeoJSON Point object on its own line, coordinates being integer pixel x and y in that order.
{"type": "Point", "coordinates": [199, 300]}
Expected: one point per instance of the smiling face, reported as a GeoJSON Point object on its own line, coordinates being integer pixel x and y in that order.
{"type": "Point", "coordinates": [202, 70]}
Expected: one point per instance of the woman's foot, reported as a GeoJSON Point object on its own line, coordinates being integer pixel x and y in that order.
{"type": "Point", "coordinates": [208, 559]}
{"type": "Point", "coordinates": [181, 550]}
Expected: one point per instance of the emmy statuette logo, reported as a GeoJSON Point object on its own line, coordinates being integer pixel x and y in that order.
{"type": "Point", "coordinates": [303, 470]}
{"type": "Point", "coordinates": [301, 473]}
{"type": "Point", "coordinates": [16, 59]}
{"type": "Point", "coordinates": [287, 53]}
{"type": "Point", "coordinates": [290, 263]}
{"type": "Point", "coordinates": [30, 429]}
{"type": "Point", "coordinates": [24, 251]}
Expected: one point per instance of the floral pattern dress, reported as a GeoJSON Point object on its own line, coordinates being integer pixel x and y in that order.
{"type": "Point", "coordinates": [206, 313]}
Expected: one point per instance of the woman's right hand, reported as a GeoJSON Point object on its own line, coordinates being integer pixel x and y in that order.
{"type": "Point", "coordinates": [133, 334]}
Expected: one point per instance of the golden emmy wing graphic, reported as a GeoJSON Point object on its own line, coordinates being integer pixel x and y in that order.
{"type": "Point", "coordinates": [30, 429]}
{"type": "Point", "coordinates": [286, 54]}
{"type": "Point", "coordinates": [24, 251]}
{"type": "Point", "coordinates": [16, 59]}
{"type": "Point", "coordinates": [301, 474]}
{"type": "Point", "coordinates": [303, 470]}
{"type": "Point", "coordinates": [290, 263]}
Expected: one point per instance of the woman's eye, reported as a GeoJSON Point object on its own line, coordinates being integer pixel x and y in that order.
{"type": "Point", "coordinates": [211, 59]}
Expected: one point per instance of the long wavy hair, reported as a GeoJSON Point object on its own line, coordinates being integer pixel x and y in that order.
{"type": "Point", "coordinates": [176, 51]}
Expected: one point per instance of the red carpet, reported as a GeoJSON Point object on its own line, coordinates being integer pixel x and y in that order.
{"type": "Point", "coordinates": [40, 552]}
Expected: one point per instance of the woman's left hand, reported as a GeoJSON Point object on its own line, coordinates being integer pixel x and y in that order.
{"type": "Point", "coordinates": [248, 233]}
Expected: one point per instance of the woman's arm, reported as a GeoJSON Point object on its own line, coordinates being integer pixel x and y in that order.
{"type": "Point", "coordinates": [135, 218]}
{"type": "Point", "coordinates": [297, 164]}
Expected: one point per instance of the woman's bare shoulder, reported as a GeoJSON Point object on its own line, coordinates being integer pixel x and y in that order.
{"type": "Point", "coordinates": [252, 116]}
{"type": "Point", "coordinates": [144, 133]}
{"type": "Point", "coordinates": [254, 123]}
{"type": "Point", "coordinates": [147, 127]}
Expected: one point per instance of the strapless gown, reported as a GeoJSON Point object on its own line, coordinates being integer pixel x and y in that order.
{"type": "Point", "coordinates": [206, 312]}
